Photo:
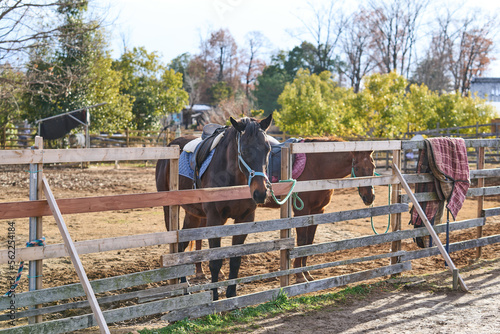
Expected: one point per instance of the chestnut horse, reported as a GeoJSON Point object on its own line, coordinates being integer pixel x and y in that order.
{"type": "Point", "coordinates": [240, 158]}
{"type": "Point", "coordinates": [322, 166]}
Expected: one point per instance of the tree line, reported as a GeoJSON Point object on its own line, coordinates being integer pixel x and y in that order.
{"type": "Point", "coordinates": [354, 72]}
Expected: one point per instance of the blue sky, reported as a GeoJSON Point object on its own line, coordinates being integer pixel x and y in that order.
{"type": "Point", "coordinates": [174, 27]}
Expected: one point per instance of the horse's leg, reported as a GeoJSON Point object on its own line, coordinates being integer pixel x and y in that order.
{"type": "Point", "coordinates": [166, 216]}
{"type": "Point", "coordinates": [301, 241]}
{"type": "Point", "coordinates": [190, 221]}
{"type": "Point", "coordinates": [235, 262]}
{"type": "Point", "coordinates": [199, 270]}
{"type": "Point", "coordinates": [234, 265]}
{"type": "Point", "coordinates": [215, 266]}
{"type": "Point", "coordinates": [214, 219]}
{"type": "Point", "coordinates": [311, 230]}
{"type": "Point", "coordinates": [309, 236]}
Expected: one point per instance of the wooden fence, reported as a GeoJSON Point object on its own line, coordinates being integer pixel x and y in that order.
{"type": "Point", "coordinates": [19, 138]}
{"type": "Point", "coordinates": [173, 298]}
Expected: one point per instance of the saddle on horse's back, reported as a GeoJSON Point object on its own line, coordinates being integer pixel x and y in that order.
{"type": "Point", "coordinates": [274, 166]}
{"type": "Point", "coordinates": [211, 136]}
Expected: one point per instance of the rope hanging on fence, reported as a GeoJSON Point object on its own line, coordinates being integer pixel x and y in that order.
{"type": "Point", "coordinates": [388, 217]}
{"type": "Point", "coordinates": [37, 242]}
{"type": "Point", "coordinates": [295, 196]}
{"type": "Point", "coordinates": [371, 206]}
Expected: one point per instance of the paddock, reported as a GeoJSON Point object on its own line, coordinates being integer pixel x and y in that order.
{"type": "Point", "coordinates": [347, 219]}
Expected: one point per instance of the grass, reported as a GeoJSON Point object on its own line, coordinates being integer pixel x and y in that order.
{"type": "Point", "coordinates": [237, 319]}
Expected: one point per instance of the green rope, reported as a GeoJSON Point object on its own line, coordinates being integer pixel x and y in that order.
{"type": "Point", "coordinates": [295, 196]}
{"type": "Point", "coordinates": [388, 217]}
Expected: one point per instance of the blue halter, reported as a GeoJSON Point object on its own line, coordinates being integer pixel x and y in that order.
{"type": "Point", "coordinates": [251, 172]}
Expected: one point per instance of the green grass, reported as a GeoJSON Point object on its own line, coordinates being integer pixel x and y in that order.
{"type": "Point", "coordinates": [243, 318]}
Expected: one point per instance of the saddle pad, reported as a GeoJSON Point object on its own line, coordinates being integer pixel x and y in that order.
{"type": "Point", "coordinates": [184, 166]}
{"type": "Point", "coordinates": [191, 146]}
{"type": "Point", "coordinates": [274, 165]}
{"type": "Point", "coordinates": [298, 167]}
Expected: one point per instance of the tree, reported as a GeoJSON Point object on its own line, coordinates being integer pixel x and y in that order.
{"type": "Point", "coordinates": [383, 106]}
{"type": "Point", "coordinates": [156, 90]}
{"type": "Point", "coordinates": [472, 54]}
{"type": "Point", "coordinates": [460, 48]}
{"type": "Point", "coordinates": [270, 85]}
{"type": "Point", "coordinates": [256, 42]}
{"type": "Point", "coordinates": [21, 29]}
{"type": "Point", "coordinates": [325, 29]}
{"type": "Point", "coordinates": [313, 105]}
{"type": "Point", "coordinates": [394, 25]}
{"type": "Point", "coordinates": [282, 69]}
{"type": "Point", "coordinates": [432, 72]}
{"type": "Point", "coordinates": [356, 46]}
{"type": "Point", "coordinates": [75, 72]}
{"type": "Point", "coordinates": [10, 95]}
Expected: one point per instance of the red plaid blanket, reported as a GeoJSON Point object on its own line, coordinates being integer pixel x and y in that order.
{"type": "Point", "coordinates": [446, 158]}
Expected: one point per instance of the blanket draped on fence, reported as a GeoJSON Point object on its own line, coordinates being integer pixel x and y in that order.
{"type": "Point", "coordinates": [446, 159]}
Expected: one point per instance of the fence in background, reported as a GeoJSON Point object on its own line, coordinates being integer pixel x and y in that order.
{"type": "Point", "coordinates": [171, 298]}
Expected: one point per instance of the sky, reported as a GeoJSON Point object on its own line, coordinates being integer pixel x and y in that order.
{"type": "Point", "coordinates": [172, 27]}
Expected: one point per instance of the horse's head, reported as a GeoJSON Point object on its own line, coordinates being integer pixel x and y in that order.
{"type": "Point", "coordinates": [253, 153]}
{"type": "Point", "coordinates": [364, 165]}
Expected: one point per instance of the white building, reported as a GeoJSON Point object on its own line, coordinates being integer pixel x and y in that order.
{"type": "Point", "coordinates": [489, 89]}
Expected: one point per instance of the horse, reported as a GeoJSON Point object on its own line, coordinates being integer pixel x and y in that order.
{"type": "Point", "coordinates": [321, 166]}
{"type": "Point", "coordinates": [240, 158]}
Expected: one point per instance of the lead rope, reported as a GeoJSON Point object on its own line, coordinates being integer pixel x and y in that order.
{"type": "Point", "coordinates": [388, 217]}
{"type": "Point", "coordinates": [295, 196]}
{"type": "Point", "coordinates": [371, 206]}
{"type": "Point", "coordinates": [252, 174]}
{"type": "Point", "coordinates": [38, 242]}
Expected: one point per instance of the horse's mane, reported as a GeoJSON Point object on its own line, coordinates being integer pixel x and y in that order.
{"type": "Point", "coordinates": [323, 139]}
{"type": "Point", "coordinates": [252, 125]}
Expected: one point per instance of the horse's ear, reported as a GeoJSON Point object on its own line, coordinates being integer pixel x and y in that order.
{"type": "Point", "coordinates": [265, 123]}
{"type": "Point", "coordinates": [237, 125]}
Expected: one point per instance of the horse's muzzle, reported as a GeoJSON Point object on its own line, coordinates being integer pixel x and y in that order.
{"type": "Point", "coordinates": [259, 196]}
{"type": "Point", "coordinates": [368, 200]}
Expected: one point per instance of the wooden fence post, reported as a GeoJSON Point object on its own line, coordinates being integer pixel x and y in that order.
{"type": "Point", "coordinates": [35, 225]}
{"type": "Point", "coordinates": [173, 223]}
{"type": "Point", "coordinates": [480, 199]}
{"type": "Point", "coordinates": [395, 198]}
{"type": "Point", "coordinates": [286, 212]}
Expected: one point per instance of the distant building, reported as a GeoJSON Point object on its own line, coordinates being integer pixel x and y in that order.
{"type": "Point", "coordinates": [195, 115]}
{"type": "Point", "coordinates": [489, 89]}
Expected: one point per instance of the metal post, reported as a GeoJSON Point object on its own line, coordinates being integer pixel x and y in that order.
{"type": "Point", "coordinates": [35, 226]}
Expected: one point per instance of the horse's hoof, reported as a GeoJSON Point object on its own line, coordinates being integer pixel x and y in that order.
{"type": "Point", "coordinates": [231, 291]}
{"type": "Point", "coordinates": [300, 278]}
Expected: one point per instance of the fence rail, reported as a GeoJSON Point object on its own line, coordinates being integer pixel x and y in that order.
{"type": "Point", "coordinates": [181, 264]}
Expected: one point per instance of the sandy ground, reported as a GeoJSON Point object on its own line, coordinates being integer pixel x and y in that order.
{"type": "Point", "coordinates": [417, 309]}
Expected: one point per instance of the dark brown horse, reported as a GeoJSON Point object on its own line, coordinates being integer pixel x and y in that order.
{"type": "Point", "coordinates": [239, 159]}
{"type": "Point", "coordinates": [322, 166]}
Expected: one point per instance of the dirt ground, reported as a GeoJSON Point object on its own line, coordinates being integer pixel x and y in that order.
{"type": "Point", "coordinates": [424, 307]}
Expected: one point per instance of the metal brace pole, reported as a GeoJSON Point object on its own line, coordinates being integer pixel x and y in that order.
{"type": "Point", "coordinates": [428, 225]}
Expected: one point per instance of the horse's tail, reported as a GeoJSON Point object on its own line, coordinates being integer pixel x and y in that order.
{"type": "Point", "coordinates": [182, 141]}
